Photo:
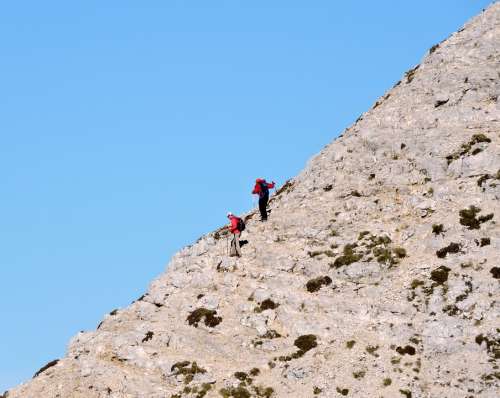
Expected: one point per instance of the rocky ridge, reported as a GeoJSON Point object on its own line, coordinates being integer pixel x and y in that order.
{"type": "Point", "coordinates": [377, 274]}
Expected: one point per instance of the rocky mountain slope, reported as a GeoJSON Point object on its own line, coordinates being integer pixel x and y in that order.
{"type": "Point", "coordinates": [377, 274]}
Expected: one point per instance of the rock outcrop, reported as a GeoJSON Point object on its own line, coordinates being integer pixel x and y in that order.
{"type": "Point", "coordinates": [377, 274]}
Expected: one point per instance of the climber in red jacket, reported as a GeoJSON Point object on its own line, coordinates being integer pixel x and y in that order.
{"type": "Point", "coordinates": [236, 226]}
{"type": "Point", "coordinates": [262, 188]}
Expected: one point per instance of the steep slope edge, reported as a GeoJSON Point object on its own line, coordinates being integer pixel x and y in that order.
{"type": "Point", "coordinates": [377, 274]}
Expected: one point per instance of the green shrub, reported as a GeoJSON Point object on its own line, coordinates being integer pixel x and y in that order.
{"type": "Point", "coordinates": [437, 229]}
{"type": "Point", "coordinates": [316, 284]}
{"type": "Point", "coordinates": [451, 248]}
{"type": "Point", "coordinates": [211, 320]}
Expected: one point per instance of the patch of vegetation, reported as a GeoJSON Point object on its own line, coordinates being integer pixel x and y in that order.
{"type": "Point", "coordinates": [359, 374]}
{"type": "Point", "coordinates": [468, 217]}
{"type": "Point", "coordinates": [386, 382]}
{"type": "Point", "coordinates": [255, 372]}
{"type": "Point", "coordinates": [242, 390]}
{"type": "Point", "coordinates": [265, 392]}
{"type": "Point", "coordinates": [485, 177]}
{"type": "Point", "coordinates": [317, 390]}
{"type": "Point", "coordinates": [348, 257]}
{"type": "Point", "coordinates": [406, 393]}
{"type": "Point", "coordinates": [328, 188]}
{"type": "Point", "coordinates": [372, 350]}
{"type": "Point", "coordinates": [267, 304]}
{"type": "Point", "coordinates": [477, 138]}
{"type": "Point", "coordinates": [362, 234]}
{"type": "Point", "coordinates": [45, 367]}
{"type": "Point", "coordinates": [242, 376]}
{"type": "Point", "coordinates": [438, 229]}
{"type": "Point", "coordinates": [304, 343]}
{"type": "Point", "coordinates": [407, 349]}
{"type": "Point", "coordinates": [316, 253]}
{"type": "Point", "coordinates": [495, 271]}
{"type": "Point", "coordinates": [205, 388]}
{"type": "Point", "coordinates": [286, 188]}
{"type": "Point", "coordinates": [378, 246]}
{"type": "Point", "coordinates": [349, 344]}
{"type": "Point", "coordinates": [416, 283]}
{"type": "Point", "coordinates": [373, 241]}
{"type": "Point", "coordinates": [440, 274]}
{"type": "Point", "coordinates": [235, 392]}
{"type": "Point", "coordinates": [149, 336]}
{"type": "Point", "coordinates": [209, 316]}
{"type": "Point", "coordinates": [451, 248]}
{"type": "Point", "coordinates": [371, 176]}
{"type": "Point", "coordinates": [316, 284]}
{"type": "Point", "coordinates": [451, 309]}
{"type": "Point", "coordinates": [271, 334]}
{"type": "Point", "coordinates": [481, 180]}
{"type": "Point", "coordinates": [466, 149]}
{"type": "Point", "coordinates": [485, 242]}
{"type": "Point", "coordinates": [196, 391]}
{"type": "Point", "coordinates": [395, 360]}
{"type": "Point", "coordinates": [439, 103]}
{"type": "Point", "coordinates": [492, 344]}
{"type": "Point", "coordinates": [468, 290]}
{"type": "Point", "coordinates": [188, 372]}
{"type": "Point", "coordinates": [390, 256]}
{"type": "Point", "coordinates": [399, 252]}
{"type": "Point", "coordinates": [410, 75]}
{"type": "Point", "coordinates": [343, 391]}
{"type": "Point", "coordinates": [433, 48]}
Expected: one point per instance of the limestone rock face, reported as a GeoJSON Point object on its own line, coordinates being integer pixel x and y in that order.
{"type": "Point", "coordinates": [377, 274]}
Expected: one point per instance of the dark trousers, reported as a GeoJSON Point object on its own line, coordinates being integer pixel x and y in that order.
{"type": "Point", "coordinates": [263, 207]}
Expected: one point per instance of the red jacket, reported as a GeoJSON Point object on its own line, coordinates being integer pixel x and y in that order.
{"type": "Point", "coordinates": [258, 189]}
{"type": "Point", "coordinates": [234, 225]}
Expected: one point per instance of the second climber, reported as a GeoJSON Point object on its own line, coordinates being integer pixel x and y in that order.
{"type": "Point", "coordinates": [262, 188]}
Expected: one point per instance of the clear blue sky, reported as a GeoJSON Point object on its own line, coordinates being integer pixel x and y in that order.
{"type": "Point", "coordinates": [129, 128]}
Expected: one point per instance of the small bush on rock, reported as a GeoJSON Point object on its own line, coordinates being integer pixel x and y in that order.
{"type": "Point", "coordinates": [466, 148]}
{"type": "Point", "coordinates": [348, 257]}
{"type": "Point", "coordinates": [183, 368]}
{"type": "Point", "coordinates": [408, 349]}
{"type": "Point", "coordinates": [304, 343]}
{"type": "Point", "coordinates": [209, 316]}
{"type": "Point", "coordinates": [437, 229]}
{"type": "Point", "coordinates": [267, 304]}
{"type": "Point", "coordinates": [495, 271]}
{"type": "Point", "coordinates": [451, 248]}
{"type": "Point", "coordinates": [468, 217]}
{"type": "Point", "coordinates": [316, 284]}
{"type": "Point", "coordinates": [44, 368]}
{"type": "Point", "coordinates": [440, 274]}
